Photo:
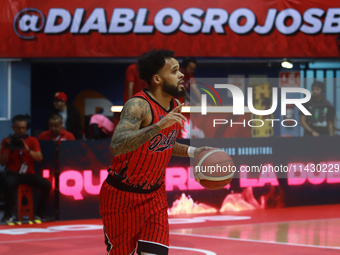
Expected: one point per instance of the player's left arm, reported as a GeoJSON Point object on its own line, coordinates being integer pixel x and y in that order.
{"type": "Point", "coordinates": [182, 150]}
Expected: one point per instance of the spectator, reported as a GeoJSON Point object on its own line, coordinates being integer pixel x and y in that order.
{"type": "Point", "coordinates": [56, 131]}
{"type": "Point", "coordinates": [133, 83]}
{"type": "Point", "coordinates": [17, 154]}
{"type": "Point", "coordinates": [70, 114]}
{"type": "Point", "coordinates": [321, 122]}
{"type": "Point", "coordinates": [188, 67]}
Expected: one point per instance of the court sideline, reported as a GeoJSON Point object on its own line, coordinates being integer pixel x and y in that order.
{"type": "Point", "coordinates": [294, 230]}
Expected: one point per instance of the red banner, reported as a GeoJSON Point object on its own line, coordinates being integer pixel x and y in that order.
{"type": "Point", "coordinates": [219, 28]}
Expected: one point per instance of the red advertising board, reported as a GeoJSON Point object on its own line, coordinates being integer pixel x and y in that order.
{"type": "Point", "coordinates": [219, 28]}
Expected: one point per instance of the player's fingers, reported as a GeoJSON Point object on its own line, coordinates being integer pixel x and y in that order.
{"type": "Point", "coordinates": [177, 108]}
{"type": "Point", "coordinates": [179, 120]}
{"type": "Point", "coordinates": [209, 148]}
{"type": "Point", "coordinates": [179, 115]}
{"type": "Point", "coordinates": [184, 118]}
{"type": "Point", "coordinates": [201, 149]}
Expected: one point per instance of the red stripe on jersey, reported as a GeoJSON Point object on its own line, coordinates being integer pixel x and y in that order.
{"type": "Point", "coordinates": [144, 168]}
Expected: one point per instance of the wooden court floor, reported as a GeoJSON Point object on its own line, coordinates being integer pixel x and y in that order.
{"type": "Point", "coordinates": [294, 230]}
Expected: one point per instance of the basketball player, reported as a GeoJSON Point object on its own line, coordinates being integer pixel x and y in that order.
{"type": "Point", "coordinates": [132, 200]}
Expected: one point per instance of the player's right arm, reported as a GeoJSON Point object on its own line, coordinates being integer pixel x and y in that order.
{"type": "Point", "coordinates": [133, 129]}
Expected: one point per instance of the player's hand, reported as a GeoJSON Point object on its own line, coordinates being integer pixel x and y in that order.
{"type": "Point", "coordinates": [199, 150]}
{"type": "Point", "coordinates": [172, 118]}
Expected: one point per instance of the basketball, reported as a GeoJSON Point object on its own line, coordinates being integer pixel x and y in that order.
{"type": "Point", "coordinates": [213, 169]}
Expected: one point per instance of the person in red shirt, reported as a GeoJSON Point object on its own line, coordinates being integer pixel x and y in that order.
{"type": "Point", "coordinates": [188, 67]}
{"type": "Point", "coordinates": [17, 154]}
{"type": "Point", "coordinates": [133, 84]}
{"type": "Point", "coordinates": [193, 95]}
{"type": "Point", "coordinates": [70, 114]}
{"type": "Point", "coordinates": [56, 131]}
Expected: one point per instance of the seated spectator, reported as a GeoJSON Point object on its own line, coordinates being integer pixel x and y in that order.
{"type": "Point", "coordinates": [56, 131]}
{"type": "Point", "coordinates": [17, 154]}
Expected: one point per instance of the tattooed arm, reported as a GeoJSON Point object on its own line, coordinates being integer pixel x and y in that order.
{"type": "Point", "coordinates": [133, 131]}
{"type": "Point", "coordinates": [128, 134]}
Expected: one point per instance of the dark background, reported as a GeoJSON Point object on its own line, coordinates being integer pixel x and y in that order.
{"type": "Point", "coordinates": [108, 80]}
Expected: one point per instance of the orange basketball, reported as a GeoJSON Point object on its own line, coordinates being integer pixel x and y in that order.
{"type": "Point", "coordinates": [214, 169]}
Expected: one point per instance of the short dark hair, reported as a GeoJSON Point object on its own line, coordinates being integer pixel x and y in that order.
{"type": "Point", "coordinates": [55, 116]}
{"type": "Point", "coordinates": [318, 84]}
{"type": "Point", "coordinates": [187, 61]}
{"type": "Point", "coordinates": [151, 62]}
{"type": "Point", "coordinates": [19, 118]}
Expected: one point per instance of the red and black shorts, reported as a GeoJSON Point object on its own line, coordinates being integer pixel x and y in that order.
{"type": "Point", "coordinates": [130, 218]}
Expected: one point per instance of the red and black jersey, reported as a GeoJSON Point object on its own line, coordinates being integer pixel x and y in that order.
{"type": "Point", "coordinates": [144, 168]}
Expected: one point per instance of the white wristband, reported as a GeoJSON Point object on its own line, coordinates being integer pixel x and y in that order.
{"type": "Point", "coordinates": [191, 151]}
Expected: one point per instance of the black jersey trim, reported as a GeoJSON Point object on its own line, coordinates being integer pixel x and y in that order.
{"type": "Point", "coordinates": [153, 100]}
{"type": "Point", "coordinates": [116, 183]}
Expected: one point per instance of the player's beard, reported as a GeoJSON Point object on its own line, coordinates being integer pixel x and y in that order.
{"type": "Point", "coordinates": [173, 90]}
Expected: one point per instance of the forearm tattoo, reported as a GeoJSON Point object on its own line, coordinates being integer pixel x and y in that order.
{"type": "Point", "coordinates": [128, 136]}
